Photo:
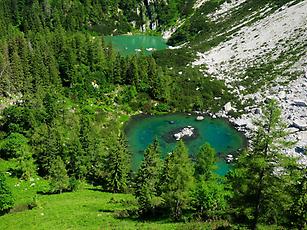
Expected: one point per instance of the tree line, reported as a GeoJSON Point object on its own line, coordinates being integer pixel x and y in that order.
{"type": "Point", "coordinates": [104, 16]}
{"type": "Point", "coordinates": [68, 90]}
{"type": "Point", "coordinates": [263, 187]}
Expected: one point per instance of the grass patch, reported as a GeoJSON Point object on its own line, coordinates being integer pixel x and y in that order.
{"type": "Point", "coordinates": [86, 209]}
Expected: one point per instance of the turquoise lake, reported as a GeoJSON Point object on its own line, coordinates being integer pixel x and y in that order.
{"type": "Point", "coordinates": [131, 44]}
{"type": "Point", "coordinates": [141, 130]}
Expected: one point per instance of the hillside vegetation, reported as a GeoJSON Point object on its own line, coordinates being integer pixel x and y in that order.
{"type": "Point", "coordinates": [65, 95]}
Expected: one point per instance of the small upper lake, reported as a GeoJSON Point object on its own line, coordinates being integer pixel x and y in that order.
{"type": "Point", "coordinates": [131, 44]}
{"type": "Point", "coordinates": [141, 130]}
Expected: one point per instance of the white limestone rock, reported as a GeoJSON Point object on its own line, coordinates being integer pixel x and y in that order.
{"type": "Point", "coordinates": [187, 131]}
{"type": "Point", "coordinates": [228, 107]}
{"type": "Point", "coordinates": [200, 118]}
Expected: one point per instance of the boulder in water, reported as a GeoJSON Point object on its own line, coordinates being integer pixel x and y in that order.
{"type": "Point", "coordinates": [200, 118]}
{"type": "Point", "coordinates": [185, 132]}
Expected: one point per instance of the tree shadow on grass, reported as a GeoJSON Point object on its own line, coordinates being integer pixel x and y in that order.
{"type": "Point", "coordinates": [135, 215]}
{"type": "Point", "coordinates": [106, 210]}
{"type": "Point", "coordinates": [97, 189]}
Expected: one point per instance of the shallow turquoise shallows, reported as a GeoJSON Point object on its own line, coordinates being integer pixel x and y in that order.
{"type": "Point", "coordinates": [141, 131]}
{"type": "Point", "coordinates": [131, 44]}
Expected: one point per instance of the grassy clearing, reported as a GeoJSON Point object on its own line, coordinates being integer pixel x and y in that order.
{"type": "Point", "coordinates": [88, 208]}
{"type": "Point", "coordinates": [85, 209]}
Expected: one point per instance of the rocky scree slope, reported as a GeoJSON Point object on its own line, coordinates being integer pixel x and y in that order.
{"type": "Point", "coordinates": [263, 56]}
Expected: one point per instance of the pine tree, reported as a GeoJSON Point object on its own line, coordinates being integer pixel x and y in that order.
{"type": "Point", "coordinates": [117, 166]}
{"type": "Point", "coordinates": [6, 197]}
{"type": "Point", "coordinates": [117, 71]}
{"type": "Point", "coordinates": [59, 181]}
{"type": "Point", "coordinates": [47, 145]}
{"type": "Point", "coordinates": [147, 180]}
{"type": "Point", "coordinates": [257, 179]}
{"type": "Point", "coordinates": [133, 72]}
{"type": "Point", "coordinates": [177, 181]}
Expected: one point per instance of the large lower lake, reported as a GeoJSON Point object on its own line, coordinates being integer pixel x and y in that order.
{"type": "Point", "coordinates": [131, 44]}
{"type": "Point", "coordinates": [220, 134]}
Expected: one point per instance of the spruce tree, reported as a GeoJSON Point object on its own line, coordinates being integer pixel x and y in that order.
{"type": "Point", "coordinates": [117, 166]}
{"type": "Point", "coordinates": [133, 72]}
{"type": "Point", "coordinates": [147, 180]}
{"type": "Point", "coordinates": [177, 181]}
{"type": "Point", "coordinates": [59, 181]}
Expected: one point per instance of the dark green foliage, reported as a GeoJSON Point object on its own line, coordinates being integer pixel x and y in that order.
{"type": "Point", "coordinates": [17, 119]}
{"type": "Point", "coordinates": [16, 147]}
{"type": "Point", "coordinates": [147, 181]}
{"type": "Point", "coordinates": [64, 91]}
{"type": "Point", "coordinates": [6, 198]}
{"type": "Point", "coordinates": [101, 16]}
{"type": "Point", "coordinates": [59, 181]}
{"type": "Point", "coordinates": [259, 184]}
{"type": "Point", "coordinates": [177, 181]}
{"type": "Point", "coordinates": [297, 187]}
{"type": "Point", "coordinates": [117, 166]}
{"type": "Point", "coordinates": [48, 147]}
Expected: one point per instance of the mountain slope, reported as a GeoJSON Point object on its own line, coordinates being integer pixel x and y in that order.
{"type": "Point", "coordinates": [259, 48]}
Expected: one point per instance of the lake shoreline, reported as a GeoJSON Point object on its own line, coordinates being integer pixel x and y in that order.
{"type": "Point", "coordinates": [140, 116]}
{"type": "Point", "coordinates": [221, 134]}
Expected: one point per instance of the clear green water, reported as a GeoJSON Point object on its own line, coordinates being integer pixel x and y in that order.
{"type": "Point", "coordinates": [131, 44]}
{"type": "Point", "coordinates": [141, 131]}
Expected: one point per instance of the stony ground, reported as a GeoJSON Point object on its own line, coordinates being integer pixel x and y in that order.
{"type": "Point", "coordinates": [279, 38]}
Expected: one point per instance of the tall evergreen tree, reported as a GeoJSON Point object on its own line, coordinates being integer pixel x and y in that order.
{"type": "Point", "coordinates": [117, 166]}
{"type": "Point", "coordinates": [257, 178]}
{"type": "Point", "coordinates": [59, 181]}
{"type": "Point", "coordinates": [147, 180]}
{"type": "Point", "coordinates": [133, 72]}
{"type": "Point", "coordinates": [177, 181]}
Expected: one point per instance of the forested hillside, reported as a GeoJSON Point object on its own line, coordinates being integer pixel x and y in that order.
{"type": "Point", "coordinates": [108, 16]}
{"type": "Point", "coordinates": [65, 95]}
